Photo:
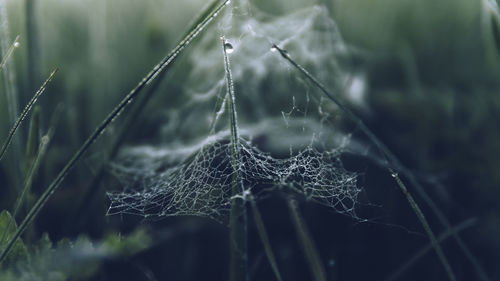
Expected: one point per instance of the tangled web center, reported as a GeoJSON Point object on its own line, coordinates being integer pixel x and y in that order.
{"type": "Point", "coordinates": [201, 183]}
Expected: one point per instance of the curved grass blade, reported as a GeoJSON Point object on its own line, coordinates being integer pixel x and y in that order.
{"type": "Point", "coordinates": [25, 112]}
{"type": "Point", "coordinates": [386, 152]}
{"type": "Point", "coordinates": [159, 68]}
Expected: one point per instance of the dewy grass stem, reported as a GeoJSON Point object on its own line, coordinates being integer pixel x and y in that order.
{"type": "Point", "coordinates": [25, 112]}
{"type": "Point", "coordinates": [385, 151]}
{"type": "Point", "coordinates": [159, 68]}
{"type": "Point", "coordinates": [238, 269]}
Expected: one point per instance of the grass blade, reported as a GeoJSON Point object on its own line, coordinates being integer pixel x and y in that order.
{"type": "Point", "coordinates": [420, 253]}
{"type": "Point", "coordinates": [29, 180]}
{"type": "Point", "coordinates": [238, 269]}
{"type": "Point", "coordinates": [9, 52]}
{"type": "Point", "coordinates": [159, 68]}
{"type": "Point", "coordinates": [33, 142]}
{"type": "Point", "coordinates": [35, 165]}
{"type": "Point", "coordinates": [261, 229]}
{"type": "Point", "coordinates": [25, 112]}
{"type": "Point", "coordinates": [385, 151]}
{"type": "Point", "coordinates": [312, 255]}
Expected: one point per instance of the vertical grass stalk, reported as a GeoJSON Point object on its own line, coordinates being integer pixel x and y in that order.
{"type": "Point", "coordinates": [32, 43]}
{"type": "Point", "coordinates": [33, 142]}
{"type": "Point", "coordinates": [310, 250]}
{"type": "Point", "coordinates": [261, 229]}
{"type": "Point", "coordinates": [393, 161]}
{"type": "Point", "coordinates": [11, 94]}
{"type": "Point", "coordinates": [158, 69]}
{"type": "Point", "coordinates": [238, 269]}
{"type": "Point", "coordinates": [28, 182]}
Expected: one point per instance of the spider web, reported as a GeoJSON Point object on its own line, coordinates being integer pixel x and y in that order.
{"type": "Point", "coordinates": [200, 185]}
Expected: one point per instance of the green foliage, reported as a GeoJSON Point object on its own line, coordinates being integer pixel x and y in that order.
{"type": "Point", "coordinates": [77, 260]}
{"type": "Point", "coordinates": [19, 252]}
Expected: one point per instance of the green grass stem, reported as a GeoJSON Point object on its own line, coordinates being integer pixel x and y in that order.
{"type": "Point", "coordinates": [261, 229]}
{"type": "Point", "coordinates": [238, 269]}
{"type": "Point", "coordinates": [33, 142]}
{"type": "Point", "coordinates": [423, 251]}
{"type": "Point", "coordinates": [386, 152]}
{"type": "Point", "coordinates": [25, 112]}
{"type": "Point", "coordinates": [28, 182]}
{"type": "Point", "coordinates": [312, 256]}
{"type": "Point", "coordinates": [33, 48]}
{"type": "Point", "coordinates": [35, 165]}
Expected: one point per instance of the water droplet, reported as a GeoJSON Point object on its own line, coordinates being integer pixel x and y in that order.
{"type": "Point", "coordinates": [229, 48]}
{"type": "Point", "coordinates": [394, 175]}
{"type": "Point", "coordinates": [273, 48]}
{"type": "Point", "coordinates": [45, 139]}
{"type": "Point", "coordinates": [228, 2]}
{"type": "Point", "coordinates": [16, 44]}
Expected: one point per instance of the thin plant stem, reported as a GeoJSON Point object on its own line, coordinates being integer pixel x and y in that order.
{"type": "Point", "coordinates": [238, 269]}
{"type": "Point", "coordinates": [420, 253]}
{"type": "Point", "coordinates": [386, 152]}
{"type": "Point", "coordinates": [158, 69]}
{"type": "Point", "coordinates": [33, 142]}
{"type": "Point", "coordinates": [35, 165]}
{"type": "Point", "coordinates": [238, 201]}
{"type": "Point", "coordinates": [9, 52]}
{"type": "Point", "coordinates": [29, 181]}
{"type": "Point", "coordinates": [11, 95]}
{"type": "Point", "coordinates": [32, 43]}
{"type": "Point", "coordinates": [310, 250]}
{"type": "Point", "coordinates": [25, 112]}
{"type": "Point", "coordinates": [261, 229]}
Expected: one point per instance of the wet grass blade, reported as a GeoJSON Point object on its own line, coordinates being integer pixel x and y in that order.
{"type": "Point", "coordinates": [135, 112]}
{"type": "Point", "coordinates": [238, 268]}
{"type": "Point", "coordinates": [394, 162]}
{"type": "Point", "coordinates": [25, 112]}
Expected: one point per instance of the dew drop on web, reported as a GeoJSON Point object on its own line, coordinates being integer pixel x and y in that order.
{"type": "Point", "coordinates": [16, 44]}
{"type": "Point", "coordinates": [229, 48]}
